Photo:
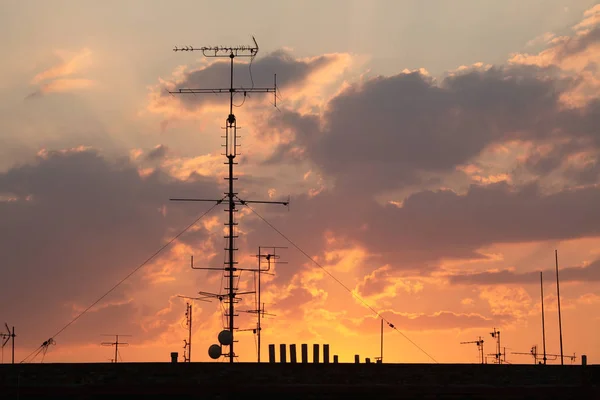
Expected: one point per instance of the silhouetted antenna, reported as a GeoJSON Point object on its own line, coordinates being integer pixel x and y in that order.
{"type": "Point", "coordinates": [269, 257]}
{"type": "Point", "coordinates": [231, 152]}
{"type": "Point", "coordinates": [543, 320]}
{"type": "Point", "coordinates": [5, 338]}
{"type": "Point", "coordinates": [496, 334]}
{"type": "Point", "coordinates": [550, 357]}
{"type": "Point", "coordinates": [559, 317]}
{"type": "Point", "coordinates": [187, 346]}
{"type": "Point", "coordinates": [116, 343]}
{"type": "Point", "coordinates": [479, 344]}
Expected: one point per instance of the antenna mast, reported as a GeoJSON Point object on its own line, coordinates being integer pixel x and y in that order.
{"type": "Point", "coordinates": [230, 146]}
{"type": "Point", "coordinates": [5, 338]}
{"type": "Point", "coordinates": [116, 343]}
{"type": "Point", "coordinates": [496, 334]}
{"type": "Point", "coordinates": [479, 344]}
{"type": "Point", "coordinates": [559, 318]}
{"type": "Point", "coordinates": [270, 257]}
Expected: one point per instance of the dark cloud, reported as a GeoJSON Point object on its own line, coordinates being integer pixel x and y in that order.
{"type": "Point", "coordinates": [589, 273]}
{"type": "Point", "coordinates": [77, 225]}
{"type": "Point", "coordinates": [380, 134]}
{"type": "Point", "coordinates": [157, 153]}
{"type": "Point", "coordinates": [431, 225]}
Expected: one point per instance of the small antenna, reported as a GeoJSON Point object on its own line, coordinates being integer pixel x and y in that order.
{"type": "Point", "coordinates": [496, 334]}
{"type": "Point", "coordinates": [479, 344]}
{"type": "Point", "coordinates": [271, 257]}
{"type": "Point", "coordinates": [5, 338]}
{"type": "Point", "coordinates": [116, 343]}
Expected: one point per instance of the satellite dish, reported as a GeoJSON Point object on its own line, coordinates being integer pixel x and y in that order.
{"type": "Point", "coordinates": [225, 337]}
{"type": "Point", "coordinates": [214, 351]}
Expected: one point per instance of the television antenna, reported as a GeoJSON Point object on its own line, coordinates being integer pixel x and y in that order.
{"type": "Point", "coordinates": [496, 334]}
{"type": "Point", "coordinates": [546, 357]}
{"type": "Point", "coordinates": [479, 344]}
{"type": "Point", "coordinates": [5, 338]}
{"type": "Point", "coordinates": [231, 151]}
{"type": "Point", "coordinates": [116, 343]}
{"type": "Point", "coordinates": [270, 257]}
{"type": "Point", "coordinates": [187, 344]}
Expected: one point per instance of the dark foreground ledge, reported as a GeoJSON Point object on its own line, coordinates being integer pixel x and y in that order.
{"type": "Point", "coordinates": [297, 381]}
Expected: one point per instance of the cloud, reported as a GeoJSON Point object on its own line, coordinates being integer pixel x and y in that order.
{"type": "Point", "coordinates": [80, 222]}
{"type": "Point", "coordinates": [159, 152]}
{"type": "Point", "coordinates": [388, 131]}
{"type": "Point", "coordinates": [587, 273]}
{"type": "Point", "coordinates": [440, 320]}
{"type": "Point", "coordinates": [71, 64]}
{"type": "Point", "coordinates": [59, 78]}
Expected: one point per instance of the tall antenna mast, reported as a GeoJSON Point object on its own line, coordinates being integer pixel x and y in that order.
{"type": "Point", "coordinates": [559, 318]}
{"type": "Point", "coordinates": [496, 334]}
{"type": "Point", "coordinates": [543, 320]}
{"type": "Point", "coordinates": [116, 343]}
{"type": "Point", "coordinates": [231, 146]}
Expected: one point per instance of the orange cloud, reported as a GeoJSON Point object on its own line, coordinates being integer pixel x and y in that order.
{"type": "Point", "coordinates": [59, 77]}
{"type": "Point", "coordinates": [576, 57]}
{"type": "Point", "coordinates": [72, 63]}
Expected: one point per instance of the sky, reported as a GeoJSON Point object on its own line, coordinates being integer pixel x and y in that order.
{"type": "Point", "coordinates": [435, 155]}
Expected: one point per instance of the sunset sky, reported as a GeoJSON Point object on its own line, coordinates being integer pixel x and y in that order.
{"type": "Point", "coordinates": [436, 153]}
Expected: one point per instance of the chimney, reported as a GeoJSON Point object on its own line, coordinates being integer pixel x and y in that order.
{"type": "Point", "coordinates": [316, 353]}
{"type": "Point", "coordinates": [174, 356]}
{"type": "Point", "coordinates": [326, 354]}
{"type": "Point", "coordinates": [282, 353]}
{"type": "Point", "coordinates": [304, 353]}
{"type": "Point", "coordinates": [271, 353]}
{"type": "Point", "coordinates": [293, 353]}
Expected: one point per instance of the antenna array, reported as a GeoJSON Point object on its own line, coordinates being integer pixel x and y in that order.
{"type": "Point", "coordinates": [231, 270]}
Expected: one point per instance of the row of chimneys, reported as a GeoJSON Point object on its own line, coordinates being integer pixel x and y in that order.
{"type": "Point", "coordinates": [283, 354]}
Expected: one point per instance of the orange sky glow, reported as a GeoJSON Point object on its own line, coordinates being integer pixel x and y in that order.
{"type": "Point", "coordinates": [429, 191]}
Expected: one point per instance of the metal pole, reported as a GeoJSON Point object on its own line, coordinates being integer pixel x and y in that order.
{"type": "Point", "coordinates": [231, 292]}
{"type": "Point", "coordinates": [543, 321]}
{"type": "Point", "coordinates": [116, 347]}
{"type": "Point", "coordinates": [190, 335]}
{"type": "Point", "coordinates": [559, 316]}
{"type": "Point", "coordinates": [13, 344]}
{"type": "Point", "coordinates": [259, 305]}
{"type": "Point", "coordinates": [381, 355]}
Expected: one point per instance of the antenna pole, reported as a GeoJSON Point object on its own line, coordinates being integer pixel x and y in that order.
{"type": "Point", "coordinates": [559, 316]}
{"type": "Point", "coordinates": [230, 152]}
{"type": "Point", "coordinates": [258, 314]}
{"type": "Point", "coordinates": [381, 354]}
{"type": "Point", "coordinates": [543, 321]}
{"type": "Point", "coordinates": [116, 343]}
{"type": "Point", "coordinates": [13, 344]}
